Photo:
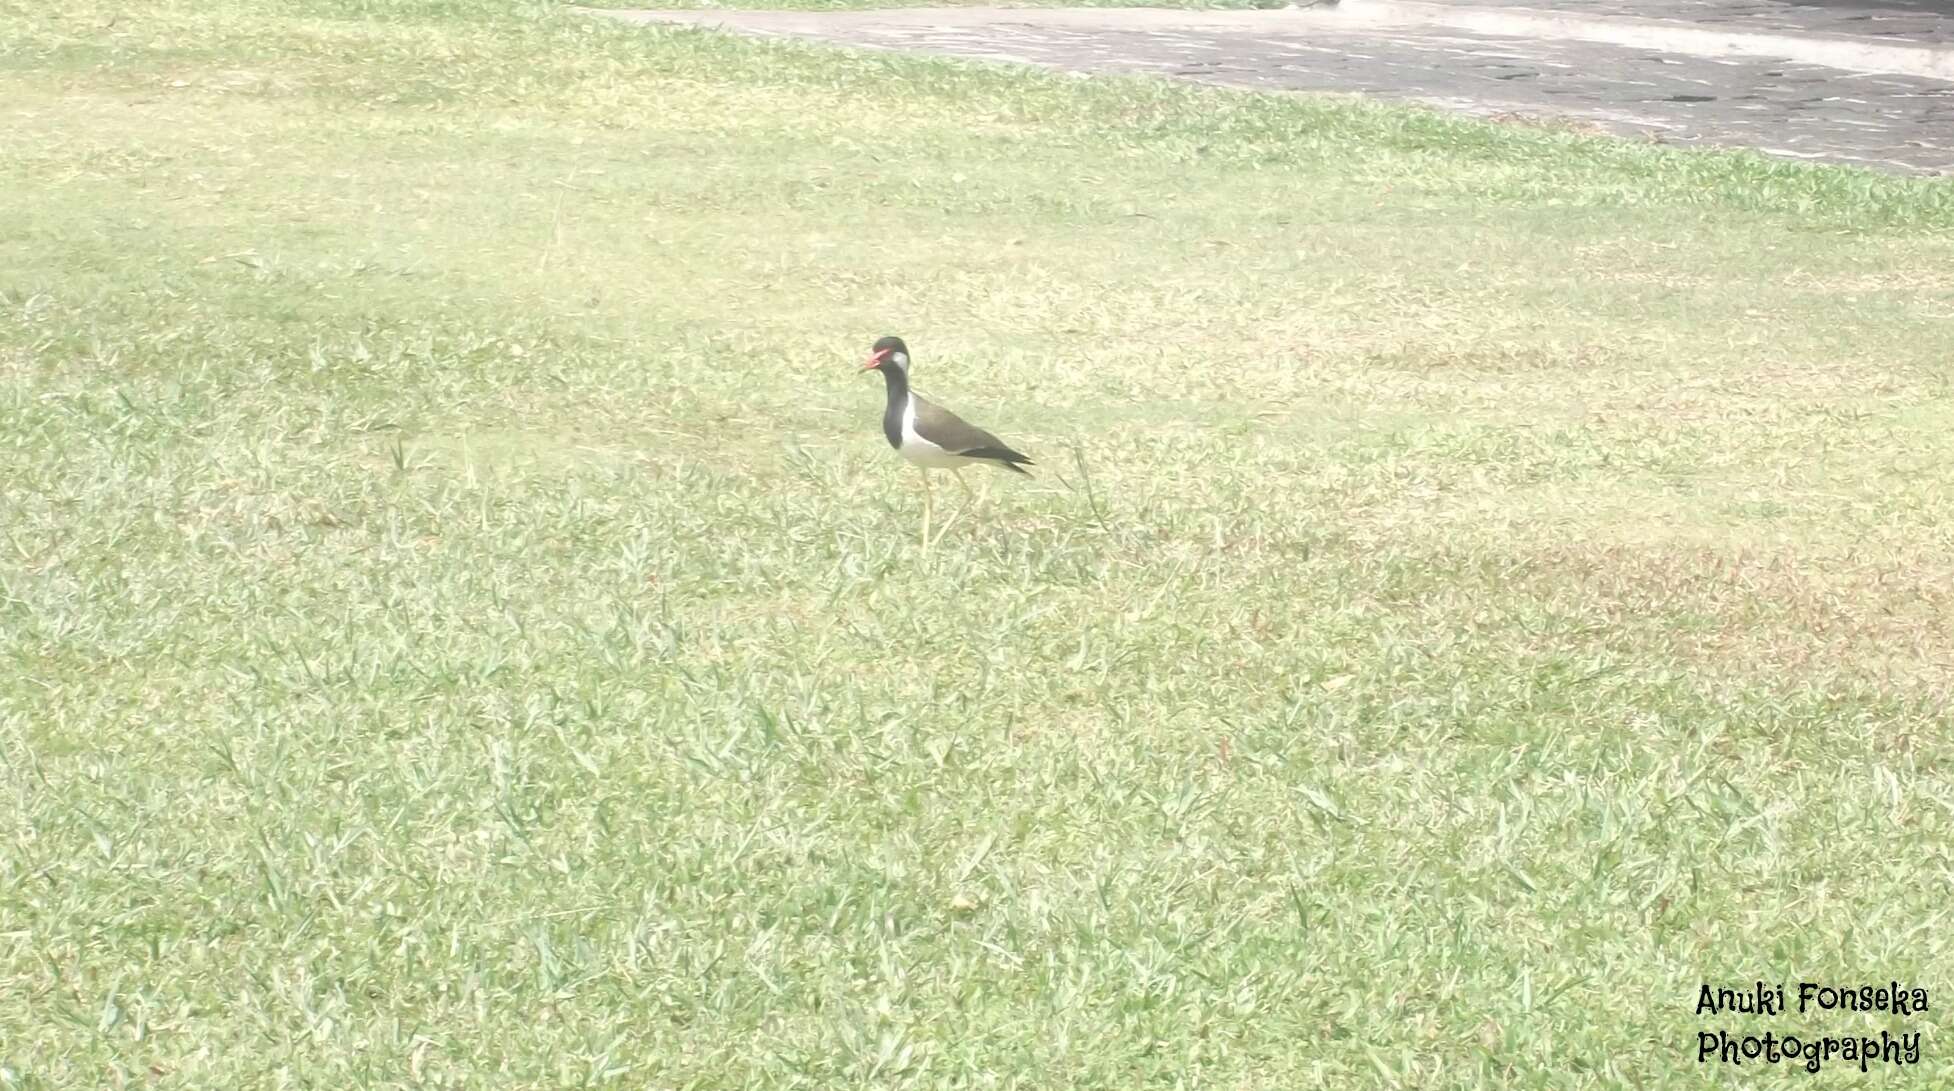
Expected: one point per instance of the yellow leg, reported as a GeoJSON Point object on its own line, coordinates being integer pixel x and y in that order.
{"type": "Point", "coordinates": [967, 494]}
{"type": "Point", "coordinates": [956, 472]}
{"type": "Point", "coordinates": [926, 510]}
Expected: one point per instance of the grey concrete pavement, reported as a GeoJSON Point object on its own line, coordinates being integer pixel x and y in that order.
{"type": "Point", "coordinates": [1853, 81]}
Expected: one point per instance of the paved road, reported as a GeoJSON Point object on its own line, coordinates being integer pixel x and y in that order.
{"type": "Point", "coordinates": [1856, 81]}
{"type": "Point", "coordinates": [1921, 21]}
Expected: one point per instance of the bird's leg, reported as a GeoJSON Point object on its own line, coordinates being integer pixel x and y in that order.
{"type": "Point", "coordinates": [967, 494]}
{"type": "Point", "coordinates": [956, 472]}
{"type": "Point", "coordinates": [926, 510]}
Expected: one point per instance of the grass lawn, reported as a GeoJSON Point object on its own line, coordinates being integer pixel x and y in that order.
{"type": "Point", "coordinates": [855, 5]}
{"type": "Point", "coordinates": [461, 625]}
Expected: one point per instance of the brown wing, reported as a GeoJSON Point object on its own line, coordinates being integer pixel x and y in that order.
{"type": "Point", "coordinates": [960, 437]}
{"type": "Point", "coordinates": [951, 432]}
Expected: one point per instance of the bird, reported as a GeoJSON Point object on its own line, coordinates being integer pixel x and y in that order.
{"type": "Point", "coordinates": [928, 435]}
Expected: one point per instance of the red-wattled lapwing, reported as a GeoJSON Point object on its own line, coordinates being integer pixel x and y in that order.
{"type": "Point", "coordinates": [929, 435]}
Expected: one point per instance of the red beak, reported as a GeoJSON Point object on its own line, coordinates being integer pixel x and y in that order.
{"type": "Point", "coordinates": [875, 361]}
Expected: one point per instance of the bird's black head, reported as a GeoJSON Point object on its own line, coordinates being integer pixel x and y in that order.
{"type": "Point", "coordinates": [889, 354]}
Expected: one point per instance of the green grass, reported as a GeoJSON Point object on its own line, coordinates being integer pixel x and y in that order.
{"type": "Point", "coordinates": [857, 5]}
{"type": "Point", "coordinates": [460, 624]}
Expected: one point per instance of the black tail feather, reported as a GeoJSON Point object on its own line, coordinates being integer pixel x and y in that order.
{"type": "Point", "coordinates": [1003, 456]}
